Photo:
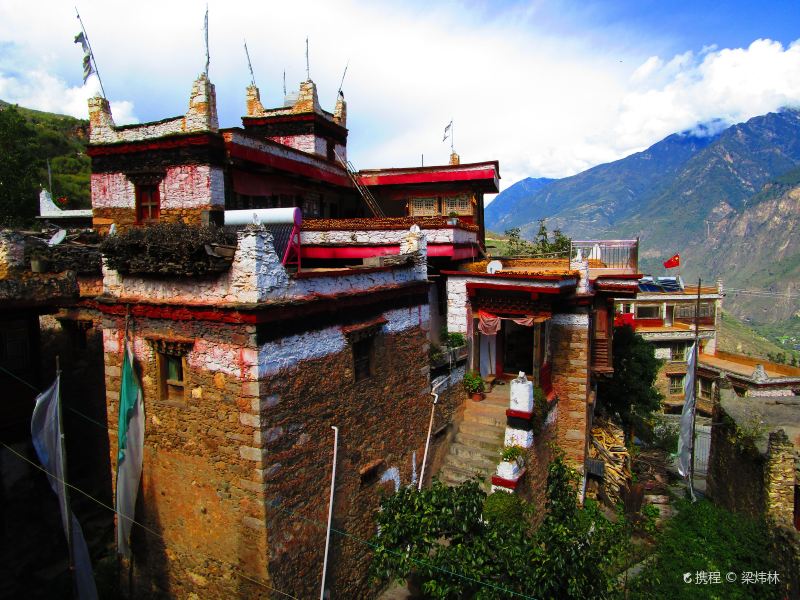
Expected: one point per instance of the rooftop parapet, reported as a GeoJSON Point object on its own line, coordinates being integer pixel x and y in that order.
{"type": "Point", "coordinates": [201, 117]}
{"type": "Point", "coordinates": [256, 277]}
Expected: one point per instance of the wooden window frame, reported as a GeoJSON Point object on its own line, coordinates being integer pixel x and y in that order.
{"type": "Point", "coordinates": [639, 308]}
{"type": "Point", "coordinates": [673, 390]}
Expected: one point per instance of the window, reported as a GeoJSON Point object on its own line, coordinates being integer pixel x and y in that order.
{"type": "Point", "coordinates": [362, 353]}
{"type": "Point", "coordinates": [425, 207]}
{"type": "Point", "coordinates": [676, 384]}
{"type": "Point", "coordinates": [687, 310]}
{"type": "Point", "coordinates": [461, 205]}
{"type": "Point", "coordinates": [706, 388]}
{"type": "Point", "coordinates": [148, 203]}
{"type": "Point", "coordinates": [171, 365]}
{"type": "Point", "coordinates": [678, 351]}
{"type": "Point", "coordinates": [648, 311]}
{"type": "Point", "coordinates": [171, 371]}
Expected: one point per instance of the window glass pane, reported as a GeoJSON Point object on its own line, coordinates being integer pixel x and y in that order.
{"type": "Point", "coordinates": [461, 205]}
{"type": "Point", "coordinates": [424, 207]}
{"type": "Point", "coordinates": [174, 368]}
{"type": "Point", "coordinates": [643, 311]}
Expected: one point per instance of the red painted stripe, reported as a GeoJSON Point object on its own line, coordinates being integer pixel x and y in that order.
{"type": "Point", "coordinates": [534, 289]}
{"type": "Point", "coordinates": [456, 252]}
{"type": "Point", "coordinates": [507, 483]}
{"type": "Point", "coordinates": [510, 412]}
{"type": "Point", "coordinates": [178, 141]}
{"type": "Point", "coordinates": [430, 177]}
{"type": "Point", "coordinates": [286, 164]}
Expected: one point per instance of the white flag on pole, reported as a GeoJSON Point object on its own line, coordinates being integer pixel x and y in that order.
{"type": "Point", "coordinates": [46, 434]}
{"type": "Point", "coordinates": [685, 441]}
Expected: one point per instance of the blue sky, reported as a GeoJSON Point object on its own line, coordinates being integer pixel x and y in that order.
{"type": "Point", "coordinates": [548, 88]}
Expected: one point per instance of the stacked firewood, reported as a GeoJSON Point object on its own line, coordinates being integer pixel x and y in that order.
{"type": "Point", "coordinates": [608, 445]}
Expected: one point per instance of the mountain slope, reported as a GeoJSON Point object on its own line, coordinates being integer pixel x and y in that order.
{"type": "Point", "coordinates": [29, 138]}
{"type": "Point", "coordinates": [508, 200]}
{"type": "Point", "coordinates": [730, 205]}
{"type": "Point", "coordinates": [598, 197]}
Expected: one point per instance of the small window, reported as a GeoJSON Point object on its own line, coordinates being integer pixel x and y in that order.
{"type": "Point", "coordinates": [679, 350]}
{"type": "Point", "coordinates": [172, 381]}
{"type": "Point", "coordinates": [148, 203]}
{"type": "Point", "coordinates": [460, 205]}
{"type": "Point", "coordinates": [645, 311]}
{"type": "Point", "coordinates": [676, 384]}
{"type": "Point", "coordinates": [706, 388]}
{"type": "Point", "coordinates": [362, 357]}
{"type": "Point", "coordinates": [424, 207]}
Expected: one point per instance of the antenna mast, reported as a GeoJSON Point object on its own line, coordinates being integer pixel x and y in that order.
{"type": "Point", "coordinates": [308, 69]}
{"type": "Point", "coordinates": [341, 83]}
{"type": "Point", "coordinates": [205, 28]}
{"type": "Point", "coordinates": [249, 64]}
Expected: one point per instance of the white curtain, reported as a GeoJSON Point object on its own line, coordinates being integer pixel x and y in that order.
{"type": "Point", "coordinates": [488, 347]}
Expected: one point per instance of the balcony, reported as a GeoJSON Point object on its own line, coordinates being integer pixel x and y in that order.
{"type": "Point", "coordinates": [607, 257]}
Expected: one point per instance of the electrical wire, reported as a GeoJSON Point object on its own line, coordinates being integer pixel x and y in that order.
{"type": "Point", "coordinates": [270, 506]}
{"type": "Point", "coordinates": [143, 526]}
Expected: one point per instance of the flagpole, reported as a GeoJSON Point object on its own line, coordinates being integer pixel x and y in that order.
{"type": "Point", "coordinates": [91, 53]}
{"type": "Point", "coordinates": [695, 385]}
{"type": "Point", "coordinates": [67, 511]}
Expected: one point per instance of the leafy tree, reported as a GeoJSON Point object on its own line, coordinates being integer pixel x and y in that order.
{"type": "Point", "coordinates": [629, 393]}
{"type": "Point", "coordinates": [541, 246]}
{"type": "Point", "coordinates": [19, 169]}
{"type": "Point", "coordinates": [439, 535]}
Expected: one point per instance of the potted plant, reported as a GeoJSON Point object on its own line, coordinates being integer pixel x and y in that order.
{"type": "Point", "coordinates": [452, 218]}
{"type": "Point", "coordinates": [474, 385]}
{"type": "Point", "coordinates": [512, 461]}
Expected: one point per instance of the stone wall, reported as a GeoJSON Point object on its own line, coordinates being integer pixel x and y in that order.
{"type": "Point", "coordinates": [192, 491]}
{"type": "Point", "coordinates": [569, 335]}
{"type": "Point", "coordinates": [237, 470]}
{"type": "Point", "coordinates": [533, 486]}
{"type": "Point", "coordinates": [780, 479]}
{"type": "Point", "coordinates": [735, 474]}
{"type": "Point", "coordinates": [382, 422]}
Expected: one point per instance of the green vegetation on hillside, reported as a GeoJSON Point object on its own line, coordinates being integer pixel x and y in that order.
{"type": "Point", "coordinates": [735, 336]}
{"type": "Point", "coordinates": [785, 334]}
{"type": "Point", "coordinates": [28, 138]}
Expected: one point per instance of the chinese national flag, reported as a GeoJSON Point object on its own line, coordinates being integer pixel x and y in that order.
{"type": "Point", "coordinates": [675, 261]}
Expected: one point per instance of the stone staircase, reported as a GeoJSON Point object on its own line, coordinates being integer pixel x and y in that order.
{"type": "Point", "coordinates": [476, 446]}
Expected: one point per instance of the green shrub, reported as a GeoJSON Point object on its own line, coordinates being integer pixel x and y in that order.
{"type": "Point", "coordinates": [454, 340]}
{"type": "Point", "coordinates": [505, 508]}
{"type": "Point", "coordinates": [705, 538]}
{"type": "Point", "coordinates": [473, 382]}
{"type": "Point", "coordinates": [510, 453]}
{"type": "Point", "coordinates": [665, 434]}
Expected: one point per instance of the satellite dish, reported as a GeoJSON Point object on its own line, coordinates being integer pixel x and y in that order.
{"type": "Point", "coordinates": [415, 229]}
{"type": "Point", "coordinates": [494, 266]}
{"type": "Point", "coordinates": [57, 238]}
{"type": "Point", "coordinates": [256, 219]}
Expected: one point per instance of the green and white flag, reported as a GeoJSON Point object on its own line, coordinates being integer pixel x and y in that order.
{"type": "Point", "coordinates": [88, 68]}
{"type": "Point", "coordinates": [130, 440]}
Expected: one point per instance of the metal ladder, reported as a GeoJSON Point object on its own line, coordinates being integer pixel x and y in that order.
{"type": "Point", "coordinates": [369, 199]}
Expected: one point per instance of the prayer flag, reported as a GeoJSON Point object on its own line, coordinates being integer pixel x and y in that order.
{"type": "Point", "coordinates": [685, 439]}
{"type": "Point", "coordinates": [130, 446]}
{"type": "Point", "coordinates": [446, 130]}
{"type": "Point", "coordinates": [46, 434]}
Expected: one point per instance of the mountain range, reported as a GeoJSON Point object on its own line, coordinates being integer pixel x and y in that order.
{"type": "Point", "coordinates": [728, 202]}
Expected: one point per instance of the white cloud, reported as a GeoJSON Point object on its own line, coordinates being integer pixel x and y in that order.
{"type": "Point", "coordinates": [543, 99]}
{"type": "Point", "coordinates": [42, 91]}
